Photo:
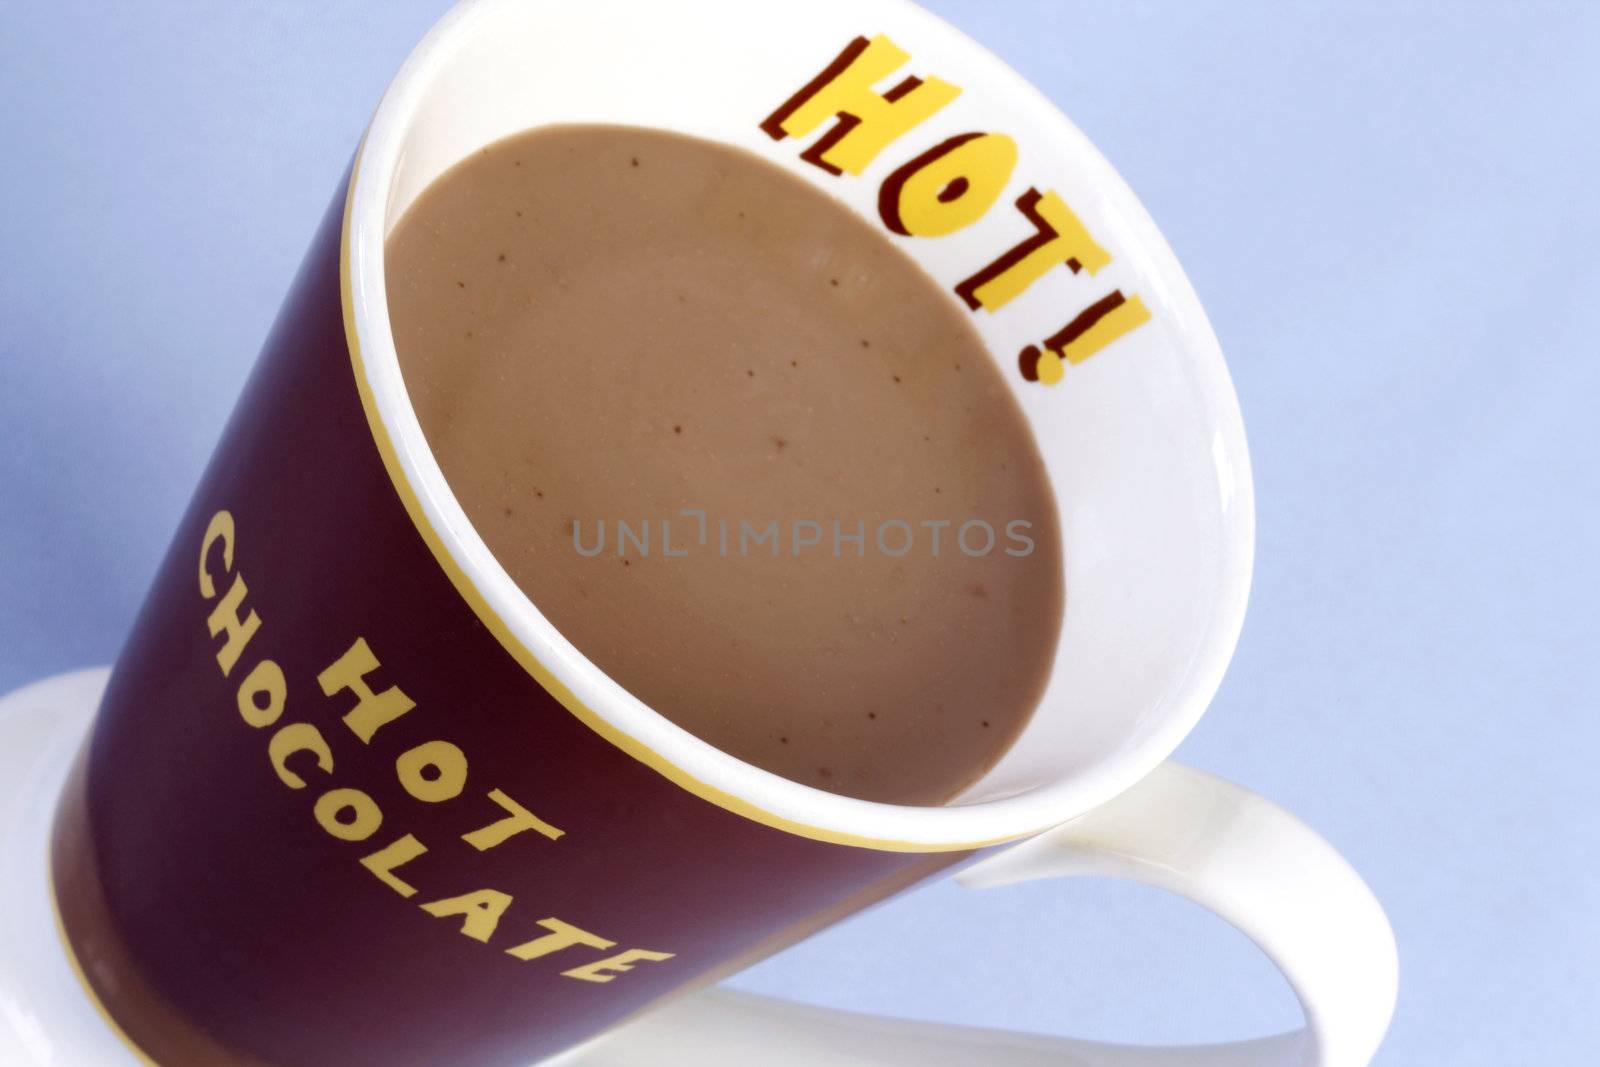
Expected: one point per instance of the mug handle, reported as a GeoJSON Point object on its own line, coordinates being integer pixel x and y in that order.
{"type": "Point", "coordinates": [1179, 829]}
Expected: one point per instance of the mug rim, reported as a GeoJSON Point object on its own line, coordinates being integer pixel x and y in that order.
{"type": "Point", "coordinates": [627, 722]}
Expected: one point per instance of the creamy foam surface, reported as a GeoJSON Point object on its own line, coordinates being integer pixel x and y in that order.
{"type": "Point", "coordinates": [602, 325]}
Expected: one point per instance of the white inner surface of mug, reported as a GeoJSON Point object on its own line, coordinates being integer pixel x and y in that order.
{"type": "Point", "coordinates": [1141, 438]}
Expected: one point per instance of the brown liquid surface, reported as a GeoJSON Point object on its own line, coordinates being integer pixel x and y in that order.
{"type": "Point", "coordinates": [602, 323]}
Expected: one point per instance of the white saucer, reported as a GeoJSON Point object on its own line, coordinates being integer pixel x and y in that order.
{"type": "Point", "coordinates": [47, 1018]}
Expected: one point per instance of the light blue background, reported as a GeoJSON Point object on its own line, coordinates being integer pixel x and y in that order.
{"type": "Point", "coordinates": [1390, 212]}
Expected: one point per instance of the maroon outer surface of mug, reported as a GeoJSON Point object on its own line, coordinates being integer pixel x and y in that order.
{"type": "Point", "coordinates": [326, 818]}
